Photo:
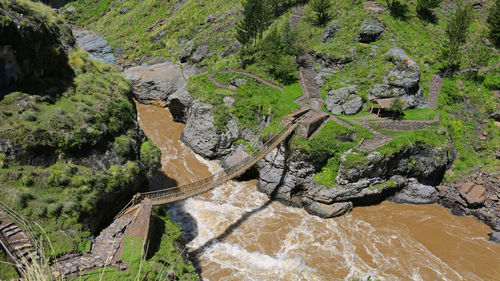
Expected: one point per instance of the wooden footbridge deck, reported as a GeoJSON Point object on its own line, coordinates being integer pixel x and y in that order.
{"type": "Point", "coordinates": [172, 194]}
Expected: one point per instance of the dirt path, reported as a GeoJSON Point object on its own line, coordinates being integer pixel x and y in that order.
{"type": "Point", "coordinates": [255, 76]}
{"type": "Point", "coordinates": [435, 89]}
{"type": "Point", "coordinates": [221, 85]}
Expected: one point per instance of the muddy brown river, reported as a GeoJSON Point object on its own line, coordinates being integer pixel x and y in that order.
{"type": "Point", "coordinates": [236, 233]}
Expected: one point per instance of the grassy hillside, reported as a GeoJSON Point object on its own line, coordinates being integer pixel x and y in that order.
{"type": "Point", "coordinates": [47, 170]}
{"type": "Point", "coordinates": [159, 28]}
{"type": "Point", "coordinates": [155, 28]}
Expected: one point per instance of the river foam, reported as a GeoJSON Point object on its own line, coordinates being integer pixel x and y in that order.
{"type": "Point", "coordinates": [235, 233]}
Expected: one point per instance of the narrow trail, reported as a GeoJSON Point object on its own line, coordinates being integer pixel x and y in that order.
{"type": "Point", "coordinates": [435, 90]}
{"type": "Point", "coordinates": [221, 85]}
{"type": "Point", "coordinates": [255, 76]}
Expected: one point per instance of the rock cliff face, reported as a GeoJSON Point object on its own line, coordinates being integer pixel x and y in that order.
{"type": "Point", "coordinates": [33, 52]}
{"type": "Point", "coordinates": [474, 195]}
{"type": "Point", "coordinates": [164, 83]}
{"type": "Point", "coordinates": [375, 178]}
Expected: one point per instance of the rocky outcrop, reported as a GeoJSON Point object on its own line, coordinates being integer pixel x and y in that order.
{"type": "Point", "coordinates": [289, 176]}
{"type": "Point", "coordinates": [164, 83]}
{"type": "Point", "coordinates": [97, 47]}
{"type": "Point", "coordinates": [33, 51]}
{"type": "Point", "coordinates": [403, 80]}
{"type": "Point", "coordinates": [330, 31]}
{"type": "Point", "coordinates": [474, 195]}
{"type": "Point", "coordinates": [426, 164]}
{"type": "Point", "coordinates": [343, 101]}
{"type": "Point", "coordinates": [370, 31]}
{"type": "Point", "coordinates": [201, 135]}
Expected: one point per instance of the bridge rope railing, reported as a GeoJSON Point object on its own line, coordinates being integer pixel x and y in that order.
{"type": "Point", "coordinates": [201, 186]}
{"type": "Point", "coordinates": [224, 175]}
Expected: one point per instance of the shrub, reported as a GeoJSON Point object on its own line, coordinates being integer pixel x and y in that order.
{"type": "Point", "coordinates": [150, 155]}
{"type": "Point", "coordinates": [54, 210]}
{"type": "Point", "coordinates": [397, 107]}
{"type": "Point", "coordinates": [398, 9]}
{"type": "Point", "coordinates": [122, 145]}
{"type": "Point", "coordinates": [491, 81]}
{"type": "Point", "coordinates": [494, 23]}
{"type": "Point", "coordinates": [21, 199]}
{"type": "Point", "coordinates": [424, 9]}
{"type": "Point", "coordinates": [321, 8]}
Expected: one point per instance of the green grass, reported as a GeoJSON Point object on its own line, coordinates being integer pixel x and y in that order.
{"type": "Point", "coordinates": [419, 114]}
{"type": "Point", "coordinates": [95, 107]}
{"type": "Point", "coordinates": [252, 100]}
{"type": "Point", "coordinates": [164, 255]}
{"type": "Point", "coordinates": [70, 200]}
{"type": "Point", "coordinates": [156, 27]}
{"type": "Point", "coordinates": [7, 270]}
{"type": "Point", "coordinates": [402, 139]}
{"type": "Point", "coordinates": [132, 251]}
{"type": "Point", "coordinates": [325, 145]}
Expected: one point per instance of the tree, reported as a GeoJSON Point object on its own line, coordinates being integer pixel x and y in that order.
{"type": "Point", "coordinates": [254, 22]}
{"type": "Point", "coordinates": [397, 9]}
{"type": "Point", "coordinates": [494, 24]}
{"type": "Point", "coordinates": [456, 30]}
{"type": "Point", "coordinates": [321, 8]}
{"type": "Point", "coordinates": [477, 54]}
{"type": "Point", "coordinates": [424, 9]}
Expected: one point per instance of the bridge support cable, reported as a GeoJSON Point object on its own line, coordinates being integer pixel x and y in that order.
{"type": "Point", "coordinates": [176, 193]}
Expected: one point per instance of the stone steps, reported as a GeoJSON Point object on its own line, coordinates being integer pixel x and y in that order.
{"type": "Point", "coordinates": [435, 89]}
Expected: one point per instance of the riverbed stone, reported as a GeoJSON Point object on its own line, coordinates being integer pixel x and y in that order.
{"type": "Point", "coordinates": [472, 193]}
{"type": "Point", "coordinates": [326, 210]}
{"type": "Point", "coordinates": [495, 236]}
{"type": "Point", "coordinates": [416, 193]}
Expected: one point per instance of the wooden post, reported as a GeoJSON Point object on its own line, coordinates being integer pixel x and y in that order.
{"type": "Point", "coordinates": [371, 109]}
{"type": "Point", "coordinates": [378, 112]}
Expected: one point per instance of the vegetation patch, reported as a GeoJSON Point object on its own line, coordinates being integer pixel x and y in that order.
{"type": "Point", "coordinates": [252, 100]}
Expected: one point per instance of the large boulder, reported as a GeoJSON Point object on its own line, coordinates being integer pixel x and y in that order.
{"type": "Point", "coordinates": [343, 101]}
{"type": "Point", "coordinates": [326, 210]}
{"type": "Point", "coordinates": [159, 82]}
{"type": "Point", "coordinates": [404, 79]}
{"type": "Point", "coordinates": [200, 53]}
{"type": "Point", "coordinates": [233, 49]}
{"type": "Point", "coordinates": [187, 49]}
{"type": "Point", "coordinates": [201, 135]}
{"type": "Point", "coordinates": [473, 194]}
{"type": "Point", "coordinates": [416, 193]}
{"type": "Point", "coordinates": [156, 82]}
{"type": "Point", "coordinates": [370, 31]}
